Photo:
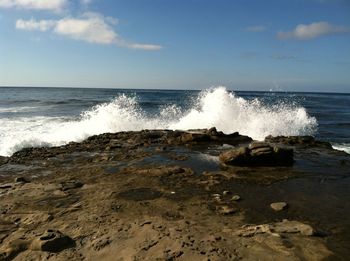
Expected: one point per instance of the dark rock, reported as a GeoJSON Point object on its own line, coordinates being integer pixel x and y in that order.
{"type": "Point", "coordinates": [52, 241]}
{"type": "Point", "coordinates": [258, 155]}
{"type": "Point", "coordinates": [152, 134]}
{"type": "Point", "coordinates": [205, 135]}
{"type": "Point", "coordinates": [305, 141]}
{"type": "Point", "coordinates": [234, 139]}
{"type": "Point", "coordinates": [21, 180]}
{"type": "Point", "coordinates": [3, 160]}
{"type": "Point", "coordinates": [194, 137]}
{"type": "Point", "coordinates": [72, 184]}
{"type": "Point", "coordinates": [6, 186]}
{"type": "Point", "coordinates": [213, 132]}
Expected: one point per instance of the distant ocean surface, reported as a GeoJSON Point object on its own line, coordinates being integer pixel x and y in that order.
{"type": "Point", "coordinates": [56, 116]}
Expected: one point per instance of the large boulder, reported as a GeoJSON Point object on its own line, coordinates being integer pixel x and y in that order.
{"type": "Point", "coordinates": [258, 154]}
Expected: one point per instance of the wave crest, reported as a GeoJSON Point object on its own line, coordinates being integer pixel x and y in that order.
{"type": "Point", "coordinates": [214, 107]}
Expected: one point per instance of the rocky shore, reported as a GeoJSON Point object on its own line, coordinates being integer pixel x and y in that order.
{"type": "Point", "coordinates": [175, 195]}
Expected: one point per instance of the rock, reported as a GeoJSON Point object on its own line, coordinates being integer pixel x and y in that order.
{"type": "Point", "coordinates": [287, 226]}
{"type": "Point", "coordinates": [101, 243]}
{"type": "Point", "coordinates": [278, 228]}
{"type": "Point", "coordinates": [52, 241]}
{"type": "Point", "coordinates": [72, 184]}
{"type": "Point", "coordinates": [148, 244]}
{"type": "Point", "coordinates": [204, 135]}
{"type": "Point", "coordinates": [193, 137]}
{"type": "Point", "coordinates": [261, 151]}
{"type": "Point", "coordinates": [278, 206]}
{"type": "Point", "coordinates": [6, 186]}
{"type": "Point", "coordinates": [3, 160]}
{"type": "Point", "coordinates": [226, 210]}
{"type": "Point", "coordinates": [236, 198]}
{"type": "Point", "coordinates": [161, 171]}
{"type": "Point", "coordinates": [14, 248]}
{"type": "Point", "coordinates": [140, 194]}
{"type": "Point", "coordinates": [235, 156]}
{"type": "Point", "coordinates": [21, 180]}
{"type": "Point", "coordinates": [258, 154]}
{"type": "Point", "coordinates": [258, 144]}
{"type": "Point", "coordinates": [213, 132]}
{"type": "Point", "coordinates": [305, 141]}
{"type": "Point", "coordinates": [217, 198]}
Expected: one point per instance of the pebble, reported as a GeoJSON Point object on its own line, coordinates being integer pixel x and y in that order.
{"type": "Point", "coordinates": [278, 206]}
{"type": "Point", "coordinates": [235, 198]}
{"type": "Point", "coordinates": [226, 210]}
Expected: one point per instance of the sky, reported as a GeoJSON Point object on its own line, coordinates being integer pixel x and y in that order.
{"type": "Point", "coordinates": [278, 45]}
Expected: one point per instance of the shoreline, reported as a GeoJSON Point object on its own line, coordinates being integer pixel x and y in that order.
{"type": "Point", "coordinates": [165, 194]}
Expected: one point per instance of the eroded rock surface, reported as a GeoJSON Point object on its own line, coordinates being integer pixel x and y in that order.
{"type": "Point", "coordinates": [258, 154]}
{"type": "Point", "coordinates": [163, 195]}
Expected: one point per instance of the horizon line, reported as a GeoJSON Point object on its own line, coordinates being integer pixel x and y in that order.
{"type": "Point", "coordinates": [171, 89]}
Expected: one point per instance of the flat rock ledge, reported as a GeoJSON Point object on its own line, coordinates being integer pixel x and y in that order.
{"type": "Point", "coordinates": [163, 195]}
{"type": "Point", "coordinates": [50, 241]}
{"type": "Point", "coordinates": [258, 154]}
{"type": "Point", "coordinates": [277, 229]}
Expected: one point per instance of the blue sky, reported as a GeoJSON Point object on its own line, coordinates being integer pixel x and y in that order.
{"type": "Point", "coordinates": [283, 45]}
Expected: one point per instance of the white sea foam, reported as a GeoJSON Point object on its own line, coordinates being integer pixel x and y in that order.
{"type": "Point", "coordinates": [214, 107]}
{"type": "Point", "coordinates": [343, 147]}
{"type": "Point", "coordinates": [18, 109]}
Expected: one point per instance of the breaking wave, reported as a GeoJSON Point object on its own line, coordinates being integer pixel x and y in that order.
{"type": "Point", "coordinates": [214, 107]}
{"type": "Point", "coordinates": [342, 147]}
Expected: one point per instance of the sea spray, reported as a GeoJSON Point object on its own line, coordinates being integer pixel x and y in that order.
{"type": "Point", "coordinates": [214, 107]}
{"type": "Point", "coordinates": [228, 113]}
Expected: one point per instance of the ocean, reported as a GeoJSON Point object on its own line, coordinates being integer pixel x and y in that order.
{"type": "Point", "coordinates": [31, 117]}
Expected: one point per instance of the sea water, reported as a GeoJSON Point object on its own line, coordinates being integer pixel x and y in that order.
{"type": "Point", "coordinates": [55, 116]}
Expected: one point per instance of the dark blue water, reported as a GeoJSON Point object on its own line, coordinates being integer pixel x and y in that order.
{"type": "Point", "coordinates": [38, 112]}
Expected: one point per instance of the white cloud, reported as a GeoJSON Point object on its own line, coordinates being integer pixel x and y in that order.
{"type": "Point", "coordinates": [313, 30]}
{"type": "Point", "coordinates": [90, 27]}
{"type": "Point", "coordinates": [53, 5]}
{"type": "Point", "coordinates": [32, 25]}
{"type": "Point", "coordinates": [255, 28]}
{"type": "Point", "coordinates": [150, 47]}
